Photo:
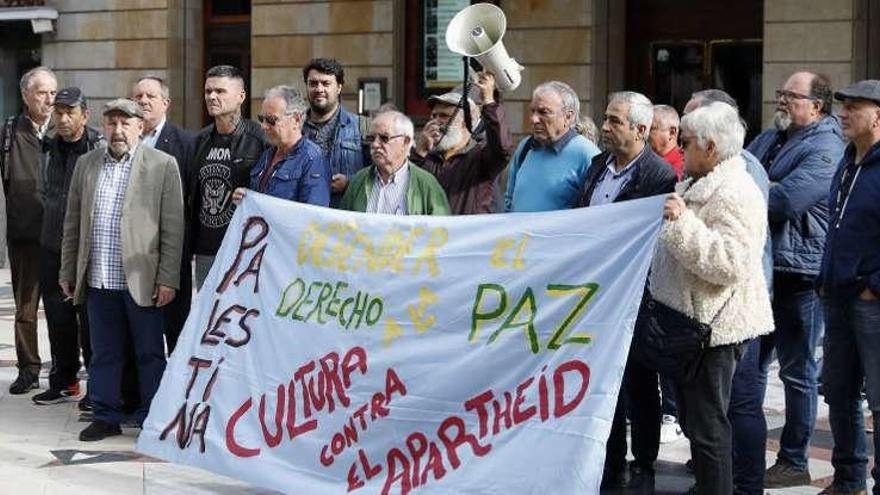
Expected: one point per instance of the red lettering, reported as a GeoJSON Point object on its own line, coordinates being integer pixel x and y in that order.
{"type": "Point", "coordinates": [370, 471]}
{"type": "Point", "coordinates": [355, 359]}
{"type": "Point", "coordinates": [434, 465]}
{"type": "Point", "coordinates": [417, 444]}
{"type": "Point", "coordinates": [354, 482]}
{"type": "Point", "coordinates": [461, 437]}
{"type": "Point", "coordinates": [479, 402]}
{"type": "Point", "coordinates": [543, 405]}
{"type": "Point", "coordinates": [294, 430]}
{"type": "Point", "coordinates": [377, 406]}
{"type": "Point", "coordinates": [560, 408]}
{"type": "Point", "coordinates": [327, 460]}
{"type": "Point", "coordinates": [394, 456]}
{"type": "Point", "coordinates": [243, 246]}
{"type": "Point", "coordinates": [196, 364]}
{"type": "Point", "coordinates": [393, 384]}
{"type": "Point", "coordinates": [273, 439]}
{"type": "Point", "coordinates": [520, 416]}
{"type": "Point", "coordinates": [233, 446]}
{"type": "Point", "coordinates": [502, 414]}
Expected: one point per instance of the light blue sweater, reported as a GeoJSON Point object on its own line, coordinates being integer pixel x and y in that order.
{"type": "Point", "coordinates": [550, 178]}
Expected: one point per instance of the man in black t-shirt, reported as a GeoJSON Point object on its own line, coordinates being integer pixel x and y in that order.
{"type": "Point", "coordinates": [225, 153]}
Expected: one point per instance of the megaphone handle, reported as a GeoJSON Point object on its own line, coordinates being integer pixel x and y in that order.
{"type": "Point", "coordinates": [465, 91]}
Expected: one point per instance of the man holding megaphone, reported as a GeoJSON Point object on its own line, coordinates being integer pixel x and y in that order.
{"type": "Point", "coordinates": [465, 168]}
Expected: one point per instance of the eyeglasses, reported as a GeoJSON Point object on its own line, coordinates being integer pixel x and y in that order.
{"type": "Point", "coordinates": [382, 138]}
{"type": "Point", "coordinates": [791, 95]}
{"type": "Point", "coordinates": [269, 119]}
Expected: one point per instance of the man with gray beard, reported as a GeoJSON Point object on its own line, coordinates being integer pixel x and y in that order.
{"type": "Point", "coordinates": [465, 168]}
{"type": "Point", "coordinates": [800, 154]}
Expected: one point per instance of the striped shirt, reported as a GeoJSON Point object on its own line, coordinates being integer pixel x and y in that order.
{"type": "Point", "coordinates": [105, 257]}
{"type": "Point", "coordinates": [390, 197]}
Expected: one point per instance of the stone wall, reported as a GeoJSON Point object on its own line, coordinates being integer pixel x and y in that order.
{"type": "Point", "coordinates": [286, 34]}
{"type": "Point", "coordinates": [103, 46]}
{"type": "Point", "coordinates": [814, 35]}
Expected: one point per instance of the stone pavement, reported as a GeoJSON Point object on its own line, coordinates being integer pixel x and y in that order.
{"type": "Point", "coordinates": [40, 452]}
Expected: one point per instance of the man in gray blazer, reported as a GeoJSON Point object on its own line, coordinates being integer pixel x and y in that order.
{"type": "Point", "coordinates": [120, 255]}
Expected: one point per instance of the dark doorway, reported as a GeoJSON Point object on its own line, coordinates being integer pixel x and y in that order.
{"type": "Point", "coordinates": [676, 47]}
{"type": "Point", "coordinates": [228, 41]}
{"type": "Point", "coordinates": [19, 52]}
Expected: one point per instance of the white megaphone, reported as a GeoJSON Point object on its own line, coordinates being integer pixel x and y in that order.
{"type": "Point", "coordinates": [476, 32]}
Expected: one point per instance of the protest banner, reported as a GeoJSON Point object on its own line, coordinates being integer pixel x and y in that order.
{"type": "Point", "coordinates": [337, 352]}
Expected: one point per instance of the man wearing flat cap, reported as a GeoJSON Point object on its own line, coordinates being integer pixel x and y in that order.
{"type": "Point", "coordinates": [68, 323]}
{"type": "Point", "coordinates": [465, 168]}
{"type": "Point", "coordinates": [120, 255]}
{"type": "Point", "coordinates": [849, 286]}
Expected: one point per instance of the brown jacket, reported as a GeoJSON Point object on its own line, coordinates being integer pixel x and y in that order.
{"type": "Point", "coordinates": [468, 177]}
{"type": "Point", "coordinates": [152, 224]}
{"type": "Point", "coordinates": [24, 208]}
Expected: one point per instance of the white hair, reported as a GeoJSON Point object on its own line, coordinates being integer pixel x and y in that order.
{"type": "Point", "coordinates": [402, 124]}
{"type": "Point", "coordinates": [640, 112]}
{"type": "Point", "coordinates": [667, 116]}
{"type": "Point", "coordinates": [294, 104]}
{"type": "Point", "coordinates": [719, 123]}
{"type": "Point", "coordinates": [25, 83]}
{"type": "Point", "coordinates": [569, 98]}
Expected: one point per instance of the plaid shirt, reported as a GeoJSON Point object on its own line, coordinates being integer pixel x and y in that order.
{"type": "Point", "coordinates": [105, 258]}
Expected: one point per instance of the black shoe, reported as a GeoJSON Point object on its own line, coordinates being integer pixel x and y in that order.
{"type": "Point", "coordinates": [85, 404]}
{"type": "Point", "coordinates": [641, 478]}
{"type": "Point", "coordinates": [612, 480]}
{"type": "Point", "coordinates": [99, 430]}
{"type": "Point", "coordinates": [25, 382]}
{"type": "Point", "coordinates": [784, 474]}
{"type": "Point", "coordinates": [54, 396]}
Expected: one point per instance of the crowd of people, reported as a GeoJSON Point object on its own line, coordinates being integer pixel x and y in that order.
{"type": "Point", "coordinates": [774, 244]}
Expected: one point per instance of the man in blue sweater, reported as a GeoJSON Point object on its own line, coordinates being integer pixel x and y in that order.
{"type": "Point", "coordinates": [799, 153]}
{"type": "Point", "coordinates": [849, 284]}
{"type": "Point", "coordinates": [549, 168]}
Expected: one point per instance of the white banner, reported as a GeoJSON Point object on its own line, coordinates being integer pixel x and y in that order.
{"type": "Point", "coordinates": [335, 352]}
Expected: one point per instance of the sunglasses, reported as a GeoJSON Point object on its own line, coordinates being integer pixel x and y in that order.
{"type": "Point", "coordinates": [269, 119]}
{"type": "Point", "coordinates": [382, 138]}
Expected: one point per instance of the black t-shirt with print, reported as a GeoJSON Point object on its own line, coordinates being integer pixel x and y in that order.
{"type": "Point", "coordinates": [216, 181]}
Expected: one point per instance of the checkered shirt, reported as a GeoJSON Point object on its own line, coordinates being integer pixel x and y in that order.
{"type": "Point", "coordinates": [105, 258]}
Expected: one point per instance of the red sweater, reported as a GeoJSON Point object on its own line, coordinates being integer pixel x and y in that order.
{"type": "Point", "coordinates": [675, 157]}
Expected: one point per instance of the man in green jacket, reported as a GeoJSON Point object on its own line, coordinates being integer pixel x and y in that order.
{"type": "Point", "coordinates": [392, 185]}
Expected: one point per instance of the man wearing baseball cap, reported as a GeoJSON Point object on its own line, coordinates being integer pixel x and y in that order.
{"type": "Point", "coordinates": [849, 285]}
{"type": "Point", "coordinates": [120, 255]}
{"type": "Point", "coordinates": [465, 168]}
{"type": "Point", "coordinates": [68, 323]}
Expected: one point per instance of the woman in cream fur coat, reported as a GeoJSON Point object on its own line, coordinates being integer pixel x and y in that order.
{"type": "Point", "coordinates": [708, 265]}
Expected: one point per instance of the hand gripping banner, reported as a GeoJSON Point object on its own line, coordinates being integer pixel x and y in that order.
{"type": "Point", "coordinates": [335, 352]}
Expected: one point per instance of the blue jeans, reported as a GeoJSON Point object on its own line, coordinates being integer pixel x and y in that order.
{"type": "Point", "coordinates": [747, 421]}
{"type": "Point", "coordinates": [797, 312]}
{"type": "Point", "coordinates": [117, 323]}
{"type": "Point", "coordinates": [851, 358]}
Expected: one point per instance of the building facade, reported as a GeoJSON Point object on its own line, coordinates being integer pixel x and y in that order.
{"type": "Point", "coordinates": [394, 50]}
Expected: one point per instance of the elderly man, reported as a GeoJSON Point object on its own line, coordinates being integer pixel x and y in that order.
{"type": "Point", "coordinates": [549, 168]}
{"type": "Point", "coordinates": [629, 169]}
{"type": "Point", "coordinates": [800, 153]}
{"type": "Point", "coordinates": [21, 160]}
{"type": "Point", "coordinates": [225, 153]}
{"type": "Point", "coordinates": [466, 169]}
{"type": "Point", "coordinates": [393, 185]}
{"type": "Point", "coordinates": [154, 97]}
{"type": "Point", "coordinates": [123, 238]}
{"type": "Point", "coordinates": [294, 167]}
{"type": "Point", "coordinates": [849, 283]}
{"type": "Point", "coordinates": [664, 137]}
{"type": "Point", "coordinates": [336, 131]}
{"type": "Point", "coordinates": [68, 323]}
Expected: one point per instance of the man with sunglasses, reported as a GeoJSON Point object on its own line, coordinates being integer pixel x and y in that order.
{"type": "Point", "coordinates": [293, 168]}
{"type": "Point", "coordinates": [800, 153]}
{"type": "Point", "coordinates": [393, 185]}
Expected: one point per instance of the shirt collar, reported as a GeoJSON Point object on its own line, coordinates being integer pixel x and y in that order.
{"type": "Point", "coordinates": [561, 142]}
{"type": "Point", "coordinates": [398, 177]}
{"type": "Point", "coordinates": [156, 131]}
{"type": "Point", "coordinates": [609, 163]}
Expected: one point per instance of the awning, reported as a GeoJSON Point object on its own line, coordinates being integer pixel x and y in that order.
{"type": "Point", "coordinates": [41, 17]}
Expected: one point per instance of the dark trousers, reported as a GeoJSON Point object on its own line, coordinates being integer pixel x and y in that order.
{"type": "Point", "coordinates": [797, 313]}
{"type": "Point", "coordinates": [24, 264]}
{"type": "Point", "coordinates": [177, 310]}
{"type": "Point", "coordinates": [668, 403]}
{"type": "Point", "coordinates": [851, 359]}
{"type": "Point", "coordinates": [702, 406]}
{"type": "Point", "coordinates": [117, 322]}
{"type": "Point", "coordinates": [640, 387]}
{"type": "Point", "coordinates": [747, 421]}
{"type": "Point", "coordinates": [68, 326]}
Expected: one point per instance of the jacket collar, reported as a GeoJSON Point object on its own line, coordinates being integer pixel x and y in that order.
{"type": "Point", "coordinates": [700, 191]}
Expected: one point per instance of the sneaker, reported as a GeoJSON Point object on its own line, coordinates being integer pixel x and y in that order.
{"type": "Point", "coordinates": [53, 396]}
{"type": "Point", "coordinates": [99, 430]}
{"type": "Point", "coordinates": [85, 404]}
{"type": "Point", "coordinates": [670, 430]}
{"type": "Point", "coordinates": [783, 475]}
{"type": "Point", "coordinates": [25, 382]}
{"type": "Point", "coordinates": [830, 490]}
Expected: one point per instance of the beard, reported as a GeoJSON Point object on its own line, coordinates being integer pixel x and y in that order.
{"type": "Point", "coordinates": [451, 139]}
{"type": "Point", "coordinates": [782, 120]}
{"type": "Point", "coordinates": [119, 148]}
